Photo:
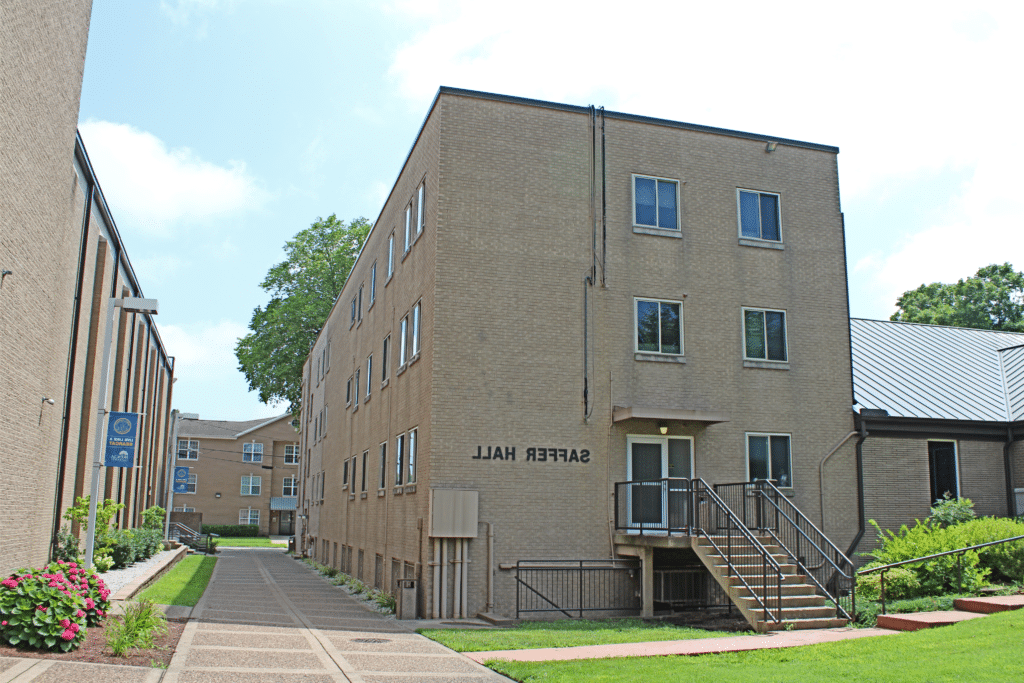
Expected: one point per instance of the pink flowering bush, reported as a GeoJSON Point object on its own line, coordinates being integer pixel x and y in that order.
{"type": "Point", "coordinates": [45, 608]}
{"type": "Point", "coordinates": [87, 584]}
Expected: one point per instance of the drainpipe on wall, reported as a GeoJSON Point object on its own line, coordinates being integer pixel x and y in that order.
{"type": "Point", "coordinates": [1011, 498]}
{"type": "Point", "coordinates": [821, 476]}
{"type": "Point", "coordinates": [861, 521]}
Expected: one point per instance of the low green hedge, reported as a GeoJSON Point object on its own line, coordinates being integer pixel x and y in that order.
{"type": "Point", "coordinates": [234, 530]}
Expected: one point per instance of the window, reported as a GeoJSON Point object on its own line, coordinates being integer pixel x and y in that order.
{"type": "Point", "coordinates": [759, 215]}
{"type": "Point", "coordinates": [249, 516]}
{"type": "Point", "coordinates": [942, 466]}
{"type": "Point", "coordinates": [321, 487]}
{"type": "Point", "coordinates": [415, 329]}
{"type": "Point", "coordinates": [362, 484]}
{"type": "Point", "coordinates": [419, 210]}
{"type": "Point", "coordinates": [384, 359]}
{"type": "Point", "coordinates": [369, 374]}
{"type": "Point", "coordinates": [764, 335]}
{"type": "Point", "coordinates": [190, 487]}
{"type": "Point", "coordinates": [355, 398]}
{"type": "Point", "coordinates": [359, 308]}
{"type": "Point", "coordinates": [768, 457]}
{"type": "Point", "coordinates": [391, 255]}
{"type": "Point", "coordinates": [184, 509]}
{"type": "Point", "coordinates": [327, 357]}
{"type": "Point", "coordinates": [291, 454]}
{"type": "Point", "coordinates": [659, 326]}
{"type": "Point", "coordinates": [373, 283]}
{"type": "Point", "coordinates": [408, 225]}
{"type": "Point", "coordinates": [655, 202]}
{"type": "Point", "coordinates": [344, 475]}
{"type": "Point", "coordinates": [348, 391]}
{"type": "Point", "coordinates": [411, 478]}
{"type": "Point", "coordinates": [399, 455]}
{"type": "Point", "coordinates": [383, 465]}
{"type": "Point", "coordinates": [404, 341]}
{"type": "Point", "coordinates": [252, 452]}
{"type": "Point", "coordinates": [188, 450]}
{"type": "Point", "coordinates": [290, 487]}
{"type": "Point", "coordinates": [251, 485]}
{"type": "Point", "coordinates": [353, 312]}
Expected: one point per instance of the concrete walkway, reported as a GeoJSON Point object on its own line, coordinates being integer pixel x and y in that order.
{"type": "Point", "coordinates": [266, 618]}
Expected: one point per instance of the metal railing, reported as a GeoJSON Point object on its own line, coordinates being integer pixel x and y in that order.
{"type": "Point", "coordinates": [959, 552]}
{"type": "Point", "coordinates": [689, 588]}
{"type": "Point", "coordinates": [662, 506]}
{"type": "Point", "coordinates": [763, 507]}
{"type": "Point", "coordinates": [745, 556]}
{"type": "Point", "coordinates": [573, 587]}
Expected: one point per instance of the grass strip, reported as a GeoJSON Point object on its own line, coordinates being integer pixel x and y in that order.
{"type": "Point", "coordinates": [242, 542]}
{"type": "Point", "coordinates": [183, 584]}
{"type": "Point", "coordinates": [564, 633]}
{"type": "Point", "coordinates": [981, 651]}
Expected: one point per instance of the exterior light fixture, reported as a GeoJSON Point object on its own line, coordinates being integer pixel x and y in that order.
{"type": "Point", "coordinates": [770, 147]}
{"type": "Point", "coordinates": [48, 400]}
{"type": "Point", "coordinates": [216, 495]}
{"type": "Point", "coordinates": [663, 427]}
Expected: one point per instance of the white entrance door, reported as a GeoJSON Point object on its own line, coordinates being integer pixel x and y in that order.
{"type": "Point", "coordinates": [650, 459]}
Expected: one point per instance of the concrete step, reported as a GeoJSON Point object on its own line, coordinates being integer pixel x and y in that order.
{"type": "Point", "coordinates": [801, 624]}
{"type": "Point", "coordinates": [921, 620]}
{"type": "Point", "coordinates": [990, 605]}
{"type": "Point", "coordinates": [788, 589]}
{"type": "Point", "coordinates": [794, 601]}
{"type": "Point", "coordinates": [750, 569]}
{"type": "Point", "coordinates": [757, 580]}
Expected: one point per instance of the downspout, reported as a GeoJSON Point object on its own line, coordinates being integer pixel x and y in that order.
{"type": "Point", "coordinates": [821, 476]}
{"type": "Point", "coordinates": [861, 521]}
{"type": "Point", "coordinates": [1011, 499]}
{"type": "Point", "coordinates": [604, 205]}
{"type": "Point", "coordinates": [69, 382]}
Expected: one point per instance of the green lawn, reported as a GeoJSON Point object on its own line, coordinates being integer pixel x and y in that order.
{"type": "Point", "coordinates": [184, 583]}
{"type": "Point", "coordinates": [979, 651]}
{"type": "Point", "coordinates": [563, 633]}
{"type": "Point", "coordinates": [243, 542]}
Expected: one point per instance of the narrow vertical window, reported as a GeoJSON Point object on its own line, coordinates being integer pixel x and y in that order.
{"type": "Point", "coordinates": [353, 473]}
{"type": "Point", "coordinates": [356, 398]}
{"type": "Point", "coordinates": [415, 329]}
{"type": "Point", "coordinates": [359, 307]}
{"type": "Point", "coordinates": [419, 210]}
{"type": "Point", "coordinates": [383, 465]}
{"type": "Point", "coordinates": [344, 475]}
{"type": "Point", "coordinates": [408, 225]}
{"type": "Point", "coordinates": [404, 341]}
{"type": "Point", "coordinates": [362, 485]}
{"type": "Point", "coordinates": [411, 478]}
{"type": "Point", "coordinates": [369, 374]}
{"type": "Point", "coordinates": [399, 458]}
{"type": "Point", "coordinates": [391, 255]}
{"type": "Point", "coordinates": [384, 359]}
{"type": "Point", "coordinates": [373, 283]}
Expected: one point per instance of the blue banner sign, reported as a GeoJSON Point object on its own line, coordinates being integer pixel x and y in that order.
{"type": "Point", "coordinates": [122, 434]}
{"type": "Point", "coordinates": [181, 480]}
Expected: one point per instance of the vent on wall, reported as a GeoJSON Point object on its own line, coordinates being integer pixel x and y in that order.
{"type": "Point", "coordinates": [453, 513]}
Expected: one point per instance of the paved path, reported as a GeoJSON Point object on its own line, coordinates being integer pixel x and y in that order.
{"type": "Point", "coordinates": [266, 618]}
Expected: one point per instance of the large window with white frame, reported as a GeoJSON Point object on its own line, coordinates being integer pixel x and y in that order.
{"type": "Point", "coordinates": [188, 449]}
{"type": "Point", "coordinates": [251, 485]}
{"type": "Point", "coordinates": [759, 215]}
{"type": "Point", "coordinates": [410, 477]}
{"type": "Point", "coordinates": [769, 457]}
{"type": "Point", "coordinates": [659, 326]}
{"type": "Point", "coordinates": [290, 487]}
{"type": "Point", "coordinates": [249, 516]}
{"type": "Point", "coordinates": [184, 509]}
{"type": "Point", "coordinates": [764, 335]}
{"type": "Point", "coordinates": [291, 454]}
{"type": "Point", "coordinates": [655, 202]}
{"type": "Point", "coordinates": [190, 486]}
{"type": "Point", "coordinates": [252, 452]}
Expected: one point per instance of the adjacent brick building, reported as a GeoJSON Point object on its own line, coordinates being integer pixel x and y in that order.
{"type": "Point", "coordinates": [555, 299]}
{"type": "Point", "coordinates": [241, 472]}
{"type": "Point", "coordinates": [62, 260]}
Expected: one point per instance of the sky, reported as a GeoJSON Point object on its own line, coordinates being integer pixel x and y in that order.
{"type": "Point", "coordinates": [221, 128]}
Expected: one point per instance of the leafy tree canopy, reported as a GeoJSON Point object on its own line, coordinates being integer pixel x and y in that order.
{"type": "Point", "coordinates": [991, 300]}
{"type": "Point", "coordinates": [303, 288]}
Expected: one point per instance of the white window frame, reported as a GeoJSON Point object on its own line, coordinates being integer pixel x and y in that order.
{"type": "Point", "coordinates": [415, 337]}
{"type": "Point", "coordinates": [344, 475]}
{"type": "Point", "coordinates": [399, 459]}
{"type": "Point", "coordinates": [253, 487]}
{"type": "Point", "coordinates": [348, 392]}
{"type": "Point", "coordinates": [373, 284]}
{"type": "Point", "coordinates": [384, 359]}
{"type": "Point", "coordinates": [391, 256]}
{"type": "Point", "coordinates": [778, 482]}
{"type": "Point", "coordinates": [191, 449]}
{"type": "Point", "coordinates": [636, 325]}
{"type": "Point", "coordinates": [644, 226]}
{"type": "Point", "coordinates": [402, 351]}
{"type": "Point", "coordinates": [412, 441]}
{"type": "Point", "coordinates": [663, 441]}
{"type": "Point", "coordinates": [383, 466]}
{"type": "Point", "coordinates": [291, 454]}
{"type": "Point", "coordinates": [760, 222]}
{"type": "Point", "coordinates": [252, 452]}
{"type": "Point", "coordinates": [293, 487]}
{"type": "Point", "coordinates": [191, 484]}
{"type": "Point", "coordinates": [353, 320]}
{"type": "Point", "coordinates": [184, 509]}
{"type": "Point", "coordinates": [355, 385]}
{"type": "Point", "coordinates": [359, 306]}
{"type": "Point", "coordinates": [362, 481]}
{"type": "Point", "coordinates": [249, 514]}
{"type": "Point", "coordinates": [408, 228]}
{"type": "Point", "coordinates": [369, 374]}
{"type": "Point", "coordinates": [785, 331]}
{"type": "Point", "coordinates": [419, 209]}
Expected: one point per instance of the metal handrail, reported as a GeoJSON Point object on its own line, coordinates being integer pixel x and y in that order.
{"type": "Point", "coordinates": [766, 558]}
{"type": "Point", "coordinates": [811, 524]}
{"type": "Point", "coordinates": [959, 551]}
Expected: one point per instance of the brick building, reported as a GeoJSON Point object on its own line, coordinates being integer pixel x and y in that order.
{"type": "Point", "coordinates": [556, 300]}
{"type": "Point", "coordinates": [62, 260]}
{"type": "Point", "coordinates": [241, 472]}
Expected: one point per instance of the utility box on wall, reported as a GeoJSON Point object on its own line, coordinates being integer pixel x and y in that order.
{"type": "Point", "coordinates": [454, 513]}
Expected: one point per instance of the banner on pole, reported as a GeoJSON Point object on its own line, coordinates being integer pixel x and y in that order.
{"type": "Point", "coordinates": [122, 434]}
{"type": "Point", "coordinates": [181, 479]}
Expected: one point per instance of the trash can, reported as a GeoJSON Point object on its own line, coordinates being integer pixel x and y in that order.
{"type": "Point", "coordinates": [291, 544]}
{"type": "Point", "coordinates": [407, 598]}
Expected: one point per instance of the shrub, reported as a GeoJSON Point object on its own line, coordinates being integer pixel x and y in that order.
{"type": "Point", "coordinates": [49, 608]}
{"type": "Point", "coordinates": [232, 530]}
{"type": "Point", "coordinates": [153, 518]}
{"type": "Point", "coordinates": [136, 629]}
{"type": "Point", "coordinates": [102, 560]}
{"type": "Point", "coordinates": [105, 512]}
{"type": "Point", "coordinates": [121, 543]}
{"type": "Point", "coordinates": [867, 612]}
{"type": "Point", "coordinates": [65, 546]}
{"type": "Point", "coordinates": [900, 582]}
{"type": "Point", "coordinates": [385, 601]}
{"type": "Point", "coordinates": [146, 542]}
{"type": "Point", "coordinates": [948, 510]}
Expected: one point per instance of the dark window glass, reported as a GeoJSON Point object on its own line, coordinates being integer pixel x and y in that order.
{"type": "Point", "coordinates": [769, 217]}
{"type": "Point", "coordinates": [647, 326]}
{"type": "Point", "coordinates": [646, 208]}
{"type": "Point", "coordinates": [753, 323]}
{"type": "Point", "coordinates": [757, 452]}
{"type": "Point", "coordinates": [670, 342]}
{"type": "Point", "coordinates": [775, 332]}
{"type": "Point", "coordinates": [750, 222]}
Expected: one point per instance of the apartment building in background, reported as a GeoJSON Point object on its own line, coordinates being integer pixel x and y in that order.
{"type": "Point", "coordinates": [558, 302]}
{"type": "Point", "coordinates": [62, 260]}
{"type": "Point", "coordinates": [240, 472]}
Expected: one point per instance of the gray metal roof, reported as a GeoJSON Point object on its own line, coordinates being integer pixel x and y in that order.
{"type": "Point", "coordinates": [221, 429]}
{"type": "Point", "coordinates": [930, 371]}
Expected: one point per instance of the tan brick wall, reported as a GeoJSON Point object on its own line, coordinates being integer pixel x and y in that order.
{"type": "Point", "coordinates": [500, 271]}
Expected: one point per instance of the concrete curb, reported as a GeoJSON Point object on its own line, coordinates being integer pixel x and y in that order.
{"type": "Point", "coordinates": [129, 591]}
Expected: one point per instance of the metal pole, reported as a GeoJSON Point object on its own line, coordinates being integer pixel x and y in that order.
{"type": "Point", "coordinates": [101, 429]}
{"type": "Point", "coordinates": [172, 458]}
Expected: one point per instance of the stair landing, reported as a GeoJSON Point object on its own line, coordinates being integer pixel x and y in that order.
{"type": "Point", "coordinates": [966, 609]}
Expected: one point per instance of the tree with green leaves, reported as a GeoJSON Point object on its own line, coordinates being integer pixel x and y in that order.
{"type": "Point", "coordinates": [991, 300]}
{"type": "Point", "coordinates": [303, 288]}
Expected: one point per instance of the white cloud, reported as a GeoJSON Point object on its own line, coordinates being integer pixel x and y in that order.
{"type": "Point", "coordinates": [157, 187]}
{"type": "Point", "coordinates": [208, 379]}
